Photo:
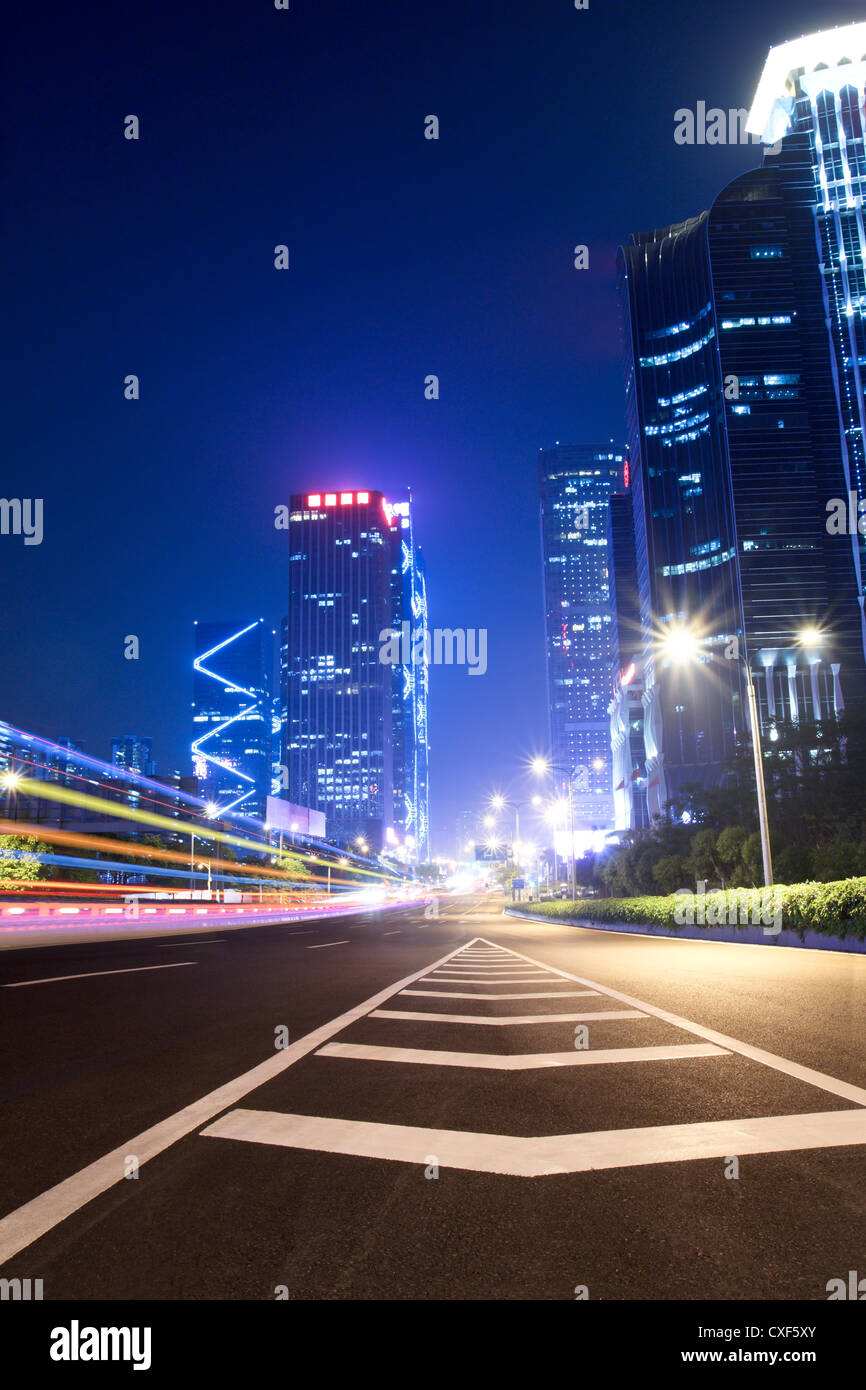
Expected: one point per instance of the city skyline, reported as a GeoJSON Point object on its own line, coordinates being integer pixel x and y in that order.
{"type": "Point", "coordinates": [433, 673]}
{"type": "Point", "coordinates": [251, 428]}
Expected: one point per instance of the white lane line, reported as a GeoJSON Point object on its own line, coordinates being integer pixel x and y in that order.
{"type": "Point", "coordinates": [91, 974]}
{"type": "Point", "coordinates": [393, 933]}
{"type": "Point", "coordinates": [437, 1017]}
{"type": "Point", "coordinates": [208, 941]}
{"type": "Point", "coordinates": [28, 1222]}
{"type": "Point", "coordinates": [519, 1061]}
{"type": "Point", "coordinates": [530, 994]}
{"type": "Point", "coordinates": [557, 1153]}
{"type": "Point", "coordinates": [856, 1094]}
{"type": "Point", "coordinates": [322, 944]}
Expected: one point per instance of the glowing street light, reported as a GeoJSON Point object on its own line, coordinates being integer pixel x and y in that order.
{"type": "Point", "coordinates": [541, 766]}
{"type": "Point", "coordinates": [11, 780]}
{"type": "Point", "coordinates": [682, 645]}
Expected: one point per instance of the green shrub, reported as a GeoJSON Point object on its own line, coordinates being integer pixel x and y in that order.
{"type": "Point", "coordinates": [832, 909]}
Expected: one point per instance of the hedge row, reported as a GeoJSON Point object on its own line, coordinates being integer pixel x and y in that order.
{"type": "Point", "coordinates": [832, 909]}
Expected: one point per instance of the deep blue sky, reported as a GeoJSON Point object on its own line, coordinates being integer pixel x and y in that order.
{"type": "Point", "coordinates": [408, 257]}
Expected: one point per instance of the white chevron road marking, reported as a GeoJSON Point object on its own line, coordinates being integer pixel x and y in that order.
{"type": "Point", "coordinates": [519, 1061]}
{"type": "Point", "coordinates": [558, 1153]}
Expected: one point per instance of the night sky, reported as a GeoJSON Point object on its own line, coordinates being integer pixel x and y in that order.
{"type": "Point", "coordinates": [408, 257]}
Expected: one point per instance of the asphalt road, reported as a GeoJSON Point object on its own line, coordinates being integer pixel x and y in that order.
{"type": "Point", "coordinates": [655, 1119]}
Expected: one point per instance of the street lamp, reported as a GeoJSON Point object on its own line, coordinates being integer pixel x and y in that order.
{"type": "Point", "coordinates": [682, 645]}
{"type": "Point", "coordinates": [540, 766]}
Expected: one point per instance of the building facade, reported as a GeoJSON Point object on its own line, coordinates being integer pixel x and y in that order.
{"type": "Point", "coordinates": [810, 99]}
{"type": "Point", "coordinates": [354, 726]}
{"type": "Point", "coordinates": [232, 716]}
{"type": "Point", "coordinates": [738, 438]}
{"type": "Point", "coordinates": [134, 753]}
{"type": "Point", "coordinates": [626, 671]}
{"type": "Point", "coordinates": [575, 484]}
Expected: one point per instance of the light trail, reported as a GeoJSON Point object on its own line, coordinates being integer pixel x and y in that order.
{"type": "Point", "coordinates": [49, 791]}
{"type": "Point", "coordinates": [76, 840]}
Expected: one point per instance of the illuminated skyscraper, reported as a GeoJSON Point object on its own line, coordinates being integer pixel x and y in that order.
{"type": "Point", "coordinates": [355, 727]}
{"type": "Point", "coordinates": [742, 428]}
{"type": "Point", "coordinates": [134, 753]}
{"type": "Point", "coordinates": [811, 99]}
{"type": "Point", "coordinates": [575, 484]}
{"type": "Point", "coordinates": [232, 716]}
{"type": "Point", "coordinates": [410, 688]}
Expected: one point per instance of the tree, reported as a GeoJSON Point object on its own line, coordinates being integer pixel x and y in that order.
{"type": "Point", "coordinates": [16, 872]}
{"type": "Point", "coordinates": [670, 873]}
{"type": "Point", "coordinates": [729, 854]}
{"type": "Point", "coordinates": [293, 865]}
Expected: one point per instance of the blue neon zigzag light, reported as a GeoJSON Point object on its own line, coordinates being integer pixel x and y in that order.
{"type": "Point", "coordinates": [231, 685]}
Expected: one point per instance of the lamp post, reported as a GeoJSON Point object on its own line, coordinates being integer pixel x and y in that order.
{"type": "Point", "coordinates": [763, 820]}
{"type": "Point", "coordinates": [541, 766]}
{"type": "Point", "coordinates": [682, 645]}
{"type": "Point", "coordinates": [498, 803]}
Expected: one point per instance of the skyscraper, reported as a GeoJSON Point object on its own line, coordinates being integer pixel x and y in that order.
{"type": "Point", "coordinates": [575, 484]}
{"type": "Point", "coordinates": [232, 716]}
{"type": "Point", "coordinates": [811, 98]}
{"type": "Point", "coordinates": [355, 727]}
{"type": "Point", "coordinates": [133, 753]}
{"type": "Point", "coordinates": [735, 447]}
{"type": "Point", "coordinates": [626, 706]}
{"type": "Point", "coordinates": [410, 687]}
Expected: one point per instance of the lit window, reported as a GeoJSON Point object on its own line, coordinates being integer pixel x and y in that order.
{"type": "Point", "coordinates": [314, 499]}
{"type": "Point", "coordinates": [330, 499]}
{"type": "Point", "coordinates": [363, 496]}
{"type": "Point", "coordinates": [345, 497]}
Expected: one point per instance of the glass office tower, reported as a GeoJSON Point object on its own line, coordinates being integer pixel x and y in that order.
{"type": "Point", "coordinates": [232, 716]}
{"type": "Point", "coordinates": [355, 727]}
{"type": "Point", "coordinates": [134, 753]}
{"type": "Point", "coordinates": [575, 483]}
{"type": "Point", "coordinates": [685, 541]}
{"type": "Point", "coordinates": [736, 446]}
{"type": "Point", "coordinates": [810, 98]}
{"type": "Point", "coordinates": [626, 670]}
{"type": "Point", "coordinates": [410, 689]}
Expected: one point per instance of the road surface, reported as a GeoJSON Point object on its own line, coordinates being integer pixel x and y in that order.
{"type": "Point", "coordinates": [399, 1107]}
